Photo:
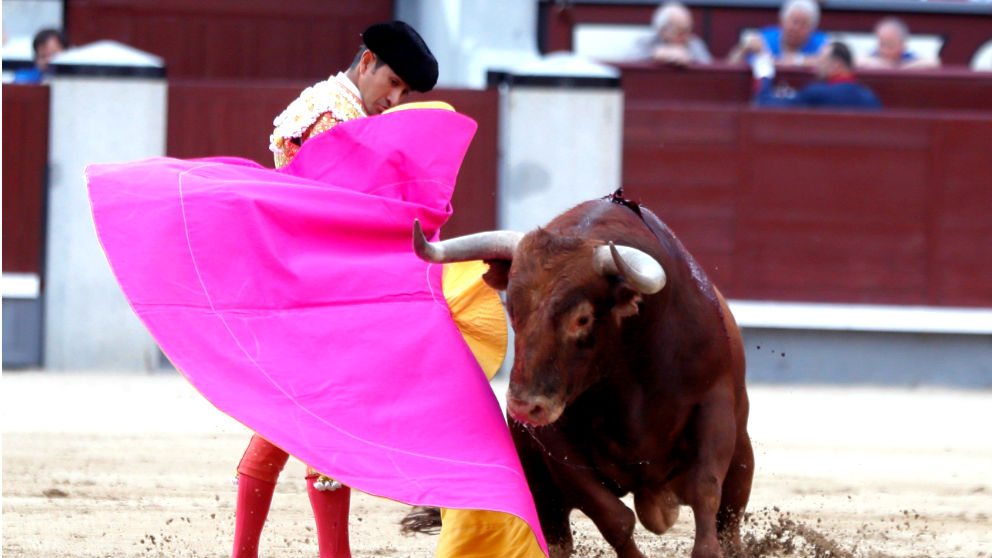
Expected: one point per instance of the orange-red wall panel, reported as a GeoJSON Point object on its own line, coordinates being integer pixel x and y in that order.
{"type": "Point", "coordinates": [25, 158]}
{"type": "Point", "coordinates": [889, 208]}
{"type": "Point", "coordinates": [303, 39]}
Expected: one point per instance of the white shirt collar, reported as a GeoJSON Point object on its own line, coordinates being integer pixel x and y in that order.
{"type": "Point", "coordinates": [350, 85]}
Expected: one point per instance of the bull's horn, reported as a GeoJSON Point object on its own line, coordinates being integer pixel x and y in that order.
{"type": "Point", "coordinates": [492, 245]}
{"type": "Point", "coordinates": [641, 270]}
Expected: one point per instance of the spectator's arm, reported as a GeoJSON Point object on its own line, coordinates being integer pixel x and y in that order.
{"type": "Point", "coordinates": [763, 70]}
{"type": "Point", "coordinates": [765, 95]}
{"type": "Point", "coordinates": [872, 63]}
{"type": "Point", "coordinates": [751, 44]}
{"type": "Point", "coordinates": [921, 64]}
{"type": "Point", "coordinates": [811, 96]}
{"type": "Point", "coordinates": [671, 54]}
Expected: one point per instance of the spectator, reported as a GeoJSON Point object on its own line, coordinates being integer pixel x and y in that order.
{"type": "Point", "coordinates": [891, 34]}
{"type": "Point", "coordinates": [836, 86]}
{"type": "Point", "coordinates": [47, 43]}
{"type": "Point", "coordinates": [795, 40]}
{"type": "Point", "coordinates": [673, 41]}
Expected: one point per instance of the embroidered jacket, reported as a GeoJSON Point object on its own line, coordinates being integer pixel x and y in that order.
{"type": "Point", "coordinates": [318, 109]}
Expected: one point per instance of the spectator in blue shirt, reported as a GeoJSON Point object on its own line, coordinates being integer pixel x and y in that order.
{"type": "Point", "coordinates": [794, 41]}
{"type": "Point", "coordinates": [47, 43]}
{"type": "Point", "coordinates": [892, 53]}
{"type": "Point", "coordinates": [836, 86]}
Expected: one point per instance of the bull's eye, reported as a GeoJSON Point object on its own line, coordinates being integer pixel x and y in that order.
{"type": "Point", "coordinates": [580, 321]}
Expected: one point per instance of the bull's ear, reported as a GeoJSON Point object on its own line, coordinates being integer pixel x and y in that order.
{"type": "Point", "coordinates": [498, 275]}
{"type": "Point", "coordinates": [628, 303]}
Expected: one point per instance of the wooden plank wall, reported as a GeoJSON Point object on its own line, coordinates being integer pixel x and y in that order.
{"type": "Point", "coordinates": [210, 118]}
{"type": "Point", "coordinates": [303, 39]}
{"type": "Point", "coordinates": [720, 26]}
{"type": "Point", "coordinates": [25, 158]}
{"type": "Point", "coordinates": [821, 207]}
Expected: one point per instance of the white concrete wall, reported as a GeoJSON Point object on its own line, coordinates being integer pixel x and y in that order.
{"type": "Point", "coordinates": [24, 18]}
{"type": "Point", "coordinates": [559, 146]}
{"type": "Point", "coordinates": [470, 36]}
{"type": "Point", "coordinates": [88, 323]}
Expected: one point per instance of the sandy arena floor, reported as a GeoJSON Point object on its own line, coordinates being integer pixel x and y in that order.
{"type": "Point", "coordinates": [99, 465]}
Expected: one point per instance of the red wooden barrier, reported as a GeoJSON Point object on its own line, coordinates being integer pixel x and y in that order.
{"type": "Point", "coordinates": [947, 88]}
{"type": "Point", "coordinates": [821, 207]}
{"type": "Point", "coordinates": [302, 39]}
{"type": "Point", "coordinates": [218, 117]}
{"type": "Point", "coordinates": [225, 117]}
{"type": "Point", "coordinates": [25, 157]}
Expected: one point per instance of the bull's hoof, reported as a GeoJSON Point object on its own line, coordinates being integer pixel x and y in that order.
{"type": "Point", "coordinates": [731, 545]}
{"type": "Point", "coordinates": [421, 519]}
{"type": "Point", "coordinates": [707, 549]}
{"type": "Point", "coordinates": [559, 550]}
{"type": "Point", "coordinates": [629, 550]}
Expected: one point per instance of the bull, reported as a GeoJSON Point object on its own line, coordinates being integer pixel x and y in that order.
{"type": "Point", "coordinates": [628, 375]}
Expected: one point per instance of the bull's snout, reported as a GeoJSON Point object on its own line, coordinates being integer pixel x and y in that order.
{"type": "Point", "coordinates": [537, 409]}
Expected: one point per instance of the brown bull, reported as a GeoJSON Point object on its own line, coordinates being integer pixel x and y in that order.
{"type": "Point", "coordinates": [628, 375]}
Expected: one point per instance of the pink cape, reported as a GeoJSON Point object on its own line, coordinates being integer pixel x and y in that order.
{"type": "Point", "coordinates": [293, 301]}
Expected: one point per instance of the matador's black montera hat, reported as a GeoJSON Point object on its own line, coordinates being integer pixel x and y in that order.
{"type": "Point", "coordinates": [402, 48]}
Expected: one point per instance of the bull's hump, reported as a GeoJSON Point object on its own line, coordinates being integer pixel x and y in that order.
{"type": "Point", "coordinates": [600, 220]}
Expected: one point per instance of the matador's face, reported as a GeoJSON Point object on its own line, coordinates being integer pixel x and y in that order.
{"type": "Point", "coordinates": [380, 87]}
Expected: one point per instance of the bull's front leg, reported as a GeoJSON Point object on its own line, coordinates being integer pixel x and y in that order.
{"type": "Point", "coordinates": [577, 478]}
{"type": "Point", "coordinates": [552, 506]}
{"type": "Point", "coordinates": [713, 433]}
